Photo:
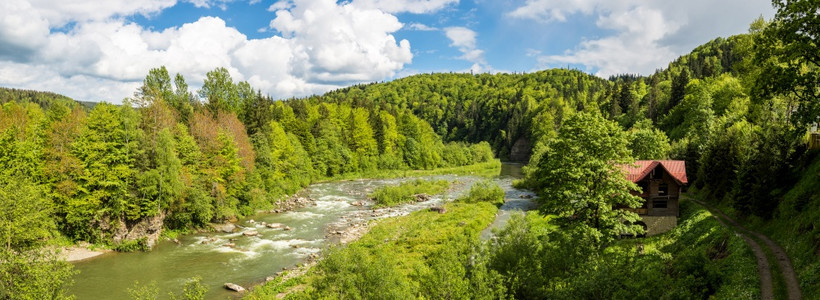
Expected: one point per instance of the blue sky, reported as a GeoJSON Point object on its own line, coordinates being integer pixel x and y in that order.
{"type": "Point", "coordinates": [101, 51]}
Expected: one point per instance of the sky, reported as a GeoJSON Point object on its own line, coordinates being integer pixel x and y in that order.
{"type": "Point", "coordinates": [102, 50]}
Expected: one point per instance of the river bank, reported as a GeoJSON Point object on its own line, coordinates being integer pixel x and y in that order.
{"type": "Point", "coordinates": [338, 213]}
{"type": "Point", "coordinates": [80, 252]}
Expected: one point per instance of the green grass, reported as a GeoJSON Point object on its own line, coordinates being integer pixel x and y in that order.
{"type": "Point", "coordinates": [700, 258]}
{"type": "Point", "coordinates": [794, 226]}
{"type": "Point", "coordinates": [392, 195]}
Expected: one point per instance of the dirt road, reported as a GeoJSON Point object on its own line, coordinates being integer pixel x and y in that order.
{"type": "Point", "coordinates": [763, 267]}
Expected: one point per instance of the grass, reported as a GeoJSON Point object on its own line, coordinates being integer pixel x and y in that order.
{"type": "Point", "coordinates": [392, 195]}
{"type": "Point", "coordinates": [698, 257]}
{"type": "Point", "coordinates": [794, 226]}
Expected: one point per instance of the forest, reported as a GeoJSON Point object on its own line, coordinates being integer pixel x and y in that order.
{"type": "Point", "coordinates": [741, 111]}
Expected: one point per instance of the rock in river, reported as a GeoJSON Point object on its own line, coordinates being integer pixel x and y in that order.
{"type": "Point", "coordinates": [226, 228]}
{"type": "Point", "coordinates": [422, 197]}
{"type": "Point", "coordinates": [439, 209]}
{"type": "Point", "coordinates": [274, 225]}
{"type": "Point", "coordinates": [234, 287]}
{"type": "Point", "coordinates": [251, 233]}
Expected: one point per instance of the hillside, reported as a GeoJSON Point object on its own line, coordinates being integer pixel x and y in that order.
{"type": "Point", "coordinates": [43, 99]}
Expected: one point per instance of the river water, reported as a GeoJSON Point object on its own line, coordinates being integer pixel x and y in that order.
{"type": "Point", "coordinates": [251, 259]}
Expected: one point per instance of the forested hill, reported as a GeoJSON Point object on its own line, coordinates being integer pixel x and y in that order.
{"type": "Point", "coordinates": [44, 99]}
{"type": "Point", "coordinates": [119, 175]}
{"type": "Point", "coordinates": [501, 108]}
{"type": "Point", "coordinates": [496, 108]}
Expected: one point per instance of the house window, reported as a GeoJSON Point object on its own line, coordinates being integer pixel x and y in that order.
{"type": "Point", "coordinates": [659, 203]}
{"type": "Point", "coordinates": [663, 189]}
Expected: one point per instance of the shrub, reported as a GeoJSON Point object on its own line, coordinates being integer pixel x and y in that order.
{"type": "Point", "coordinates": [484, 191]}
{"type": "Point", "coordinates": [406, 192]}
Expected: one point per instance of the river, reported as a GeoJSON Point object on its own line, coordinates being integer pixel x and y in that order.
{"type": "Point", "coordinates": [169, 264]}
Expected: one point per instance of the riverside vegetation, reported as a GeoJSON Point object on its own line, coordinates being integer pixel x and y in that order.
{"type": "Point", "coordinates": [738, 110]}
{"type": "Point", "coordinates": [407, 191]}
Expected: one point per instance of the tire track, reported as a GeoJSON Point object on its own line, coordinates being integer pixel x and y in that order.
{"type": "Point", "coordinates": [787, 271]}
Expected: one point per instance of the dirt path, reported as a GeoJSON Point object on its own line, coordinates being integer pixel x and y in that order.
{"type": "Point", "coordinates": [787, 271]}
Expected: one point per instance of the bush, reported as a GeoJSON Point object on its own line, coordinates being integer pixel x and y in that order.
{"type": "Point", "coordinates": [406, 192]}
{"type": "Point", "coordinates": [484, 191]}
{"type": "Point", "coordinates": [132, 245]}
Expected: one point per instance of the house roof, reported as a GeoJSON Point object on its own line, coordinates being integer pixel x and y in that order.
{"type": "Point", "coordinates": [642, 168]}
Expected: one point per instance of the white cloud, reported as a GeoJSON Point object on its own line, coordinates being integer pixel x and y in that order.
{"type": "Point", "coordinates": [647, 34]}
{"type": "Point", "coordinates": [342, 43]}
{"type": "Point", "coordinates": [553, 10]}
{"type": "Point", "coordinates": [421, 27]}
{"type": "Point", "coordinates": [461, 37]}
{"type": "Point", "coordinates": [59, 13]}
{"type": "Point", "coordinates": [324, 45]}
{"type": "Point", "coordinates": [400, 6]}
{"type": "Point", "coordinates": [465, 40]}
{"type": "Point", "coordinates": [281, 5]}
{"type": "Point", "coordinates": [221, 4]}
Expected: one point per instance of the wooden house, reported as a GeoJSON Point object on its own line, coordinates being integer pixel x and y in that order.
{"type": "Point", "coordinates": [661, 183]}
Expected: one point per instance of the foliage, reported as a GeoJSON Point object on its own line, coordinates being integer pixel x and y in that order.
{"type": "Point", "coordinates": [163, 154]}
{"type": "Point", "coordinates": [787, 50]}
{"type": "Point", "coordinates": [498, 109]}
{"type": "Point", "coordinates": [391, 195]}
{"type": "Point", "coordinates": [484, 191]}
{"type": "Point", "coordinates": [698, 259]}
{"type": "Point", "coordinates": [578, 179]}
{"type": "Point", "coordinates": [647, 142]}
{"type": "Point", "coordinates": [34, 274]}
{"type": "Point", "coordinates": [24, 215]}
{"type": "Point", "coordinates": [192, 290]}
{"type": "Point", "coordinates": [144, 292]}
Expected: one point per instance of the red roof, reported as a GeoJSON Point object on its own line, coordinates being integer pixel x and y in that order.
{"type": "Point", "coordinates": [642, 168]}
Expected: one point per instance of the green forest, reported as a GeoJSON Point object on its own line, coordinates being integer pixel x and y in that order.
{"type": "Point", "coordinates": [742, 111]}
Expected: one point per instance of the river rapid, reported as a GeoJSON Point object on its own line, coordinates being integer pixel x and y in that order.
{"type": "Point", "coordinates": [250, 259]}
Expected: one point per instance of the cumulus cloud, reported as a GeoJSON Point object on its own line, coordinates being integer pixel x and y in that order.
{"type": "Point", "coordinates": [421, 27]}
{"type": "Point", "coordinates": [553, 10]}
{"type": "Point", "coordinates": [222, 4]}
{"type": "Point", "coordinates": [323, 45]}
{"type": "Point", "coordinates": [59, 13]}
{"type": "Point", "coordinates": [400, 6]}
{"type": "Point", "coordinates": [465, 40]}
{"type": "Point", "coordinates": [646, 34]}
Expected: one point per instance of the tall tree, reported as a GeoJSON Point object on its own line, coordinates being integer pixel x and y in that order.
{"type": "Point", "coordinates": [220, 92]}
{"type": "Point", "coordinates": [108, 150]}
{"type": "Point", "coordinates": [155, 87]}
{"type": "Point", "coordinates": [580, 180]}
{"type": "Point", "coordinates": [788, 52]}
{"type": "Point", "coordinates": [647, 142]}
{"type": "Point", "coordinates": [679, 84]}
